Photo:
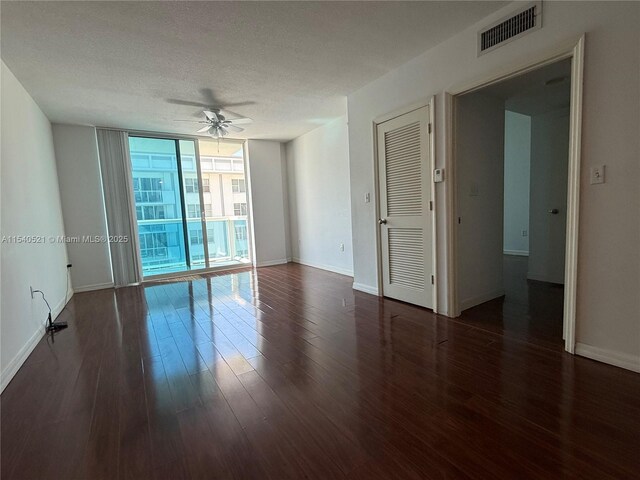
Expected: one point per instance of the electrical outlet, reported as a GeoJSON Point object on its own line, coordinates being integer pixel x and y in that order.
{"type": "Point", "coordinates": [342, 247]}
{"type": "Point", "coordinates": [31, 290]}
{"type": "Point", "coordinates": [367, 198]}
{"type": "Point", "coordinates": [525, 233]}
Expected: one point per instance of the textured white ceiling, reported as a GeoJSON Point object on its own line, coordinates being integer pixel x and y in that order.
{"type": "Point", "coordinates": [287, 65]}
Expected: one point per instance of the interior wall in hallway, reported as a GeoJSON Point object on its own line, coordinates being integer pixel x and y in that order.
{"type": "Point", "coordinates": [480, 144]}
{"type": "Point", "coordinates": [517, 165]}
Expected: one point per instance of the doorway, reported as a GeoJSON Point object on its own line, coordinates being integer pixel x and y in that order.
{"type": "Point", "coordinates": [190, 202]}
{"type": "Point", "coordinates": [512, 172]}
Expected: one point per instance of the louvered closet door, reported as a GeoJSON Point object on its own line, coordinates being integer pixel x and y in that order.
{"type": "Point", "coordinates": [405, 218]}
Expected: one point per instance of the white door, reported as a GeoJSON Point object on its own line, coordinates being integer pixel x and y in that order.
{"type": "Point", "coordinates": [404, 172]}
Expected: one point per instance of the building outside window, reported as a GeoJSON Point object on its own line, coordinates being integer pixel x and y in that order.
{"type": "Point", "coordinates": [205, 185]}
{"type": "Point", "coordinates": [155, 243]}
{"type": "Point", "coordinates": [241, 232]}
{"type": "Point", "coordinates": [208, 210]}
{"type": "Point", "coordinates": [152, 212]}
{"type": "Point", "coordinates": [195, 238]}
{"type": "Point", "coordinates": [192, 211]}
{"type": "Point", "coordinates": [191, 185]}
{"type": "Point", "coordinates": [241, 242]}
{"type": "Point", "coordinates": [147, 190]}
{"type": "Point", "coordinates": [238, 185]}
{"type": "Point", "coordinates": [239, 209]}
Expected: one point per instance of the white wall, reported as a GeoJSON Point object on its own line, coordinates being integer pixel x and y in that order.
{"type": "Point", "coordinates": [549, 169]}
{"type": "Point", "coordinates": [268, 198]}
{"type": "Point", "coordinates": [319, 200]}
{"type": "Point", "coordinates": [82, 201]}
{"type": "Point", "coordinates": [285, 200]}
{"type": "Point", "coordinates": [517, 165]}
{"type": "Point", "coordinates": [30, 207]}
{"type": "Point", "coordinates": [609, 257]}
{"type": "Point", "coordinates": [84, 210]}
{"type": "Point", "coordinates": [480, 170]}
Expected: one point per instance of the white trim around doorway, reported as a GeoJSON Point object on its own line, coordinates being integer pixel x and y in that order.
{"type": "Point", "coordinates": [573, 49]}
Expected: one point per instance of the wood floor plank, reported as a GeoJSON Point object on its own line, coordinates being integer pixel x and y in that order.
{"type": "Point", "coordinates": [286, 372]}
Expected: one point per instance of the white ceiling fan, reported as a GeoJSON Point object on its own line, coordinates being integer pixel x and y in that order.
{"type": "Point", "coordinates": [218, 125]}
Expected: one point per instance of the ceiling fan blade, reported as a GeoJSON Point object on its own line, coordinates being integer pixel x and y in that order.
{"type": "Point", "coordinates": [239, 104]}
{"type": "Point", "coordinates": [233, 128]}
{"type": "Point", "coordinates": [190, 121]}
{"type": "Point", "coordinates": [233, 117]}
{"type": "Point", "coordinates": [188, 103]}
{"type": "Point", "coordinates": [203, 129]}
{"type": "Point", "coordinates": [241, 121]}
{"type": "Point", "coordinates": [211, 115]}
{"type": "Point", "coordinates": [209, 96]}
{"type": "Point", "coordinates": [227, 113]}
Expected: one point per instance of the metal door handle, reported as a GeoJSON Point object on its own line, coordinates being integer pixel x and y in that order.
{"type": "Point", "coordinates": [382, 221]}
{"type": "Point", "coordinates": [554, 211]}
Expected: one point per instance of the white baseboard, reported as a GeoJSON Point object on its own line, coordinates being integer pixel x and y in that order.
{"type": "Point", "coordinates": [321, 266]}
{"type": "Point", "coordinates": [361, 287]}
{"type": "Point", "coordinates": [478, 299]}
{"type": "Point", "coordinates": [90, 288]}
{"type": "Point", "coordinates": [519, 253]}
{"type": "Point", "coordinates": [618, 359]}
{"type": "Point", "coordinates": [16, 362]}
{"type": "Point", "coordinates": [270, 263]}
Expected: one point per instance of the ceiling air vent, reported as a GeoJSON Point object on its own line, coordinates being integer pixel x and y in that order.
{"type": "Point", "coordinates": [509, 28]}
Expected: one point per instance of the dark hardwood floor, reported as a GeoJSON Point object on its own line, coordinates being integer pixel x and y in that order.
{"type": "Point", "coordinates": [530, 311]}
{"type": "Point", "coordinates": [287, 373]}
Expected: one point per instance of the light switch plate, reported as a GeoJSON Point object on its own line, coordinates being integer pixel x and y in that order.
{"type": "Point", "coordinates": [438, 175]}
{"type": "Point", "coordinates": [597, 174]}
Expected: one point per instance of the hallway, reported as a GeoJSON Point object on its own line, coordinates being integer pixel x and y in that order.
{"type": "Point", "coordinates": [530, 311]}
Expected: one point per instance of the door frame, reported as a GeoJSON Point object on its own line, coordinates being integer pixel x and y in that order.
{"type": "Point", "coordinates": [573, 49]}
{"type": "Point", "coordinates": [430, 103]}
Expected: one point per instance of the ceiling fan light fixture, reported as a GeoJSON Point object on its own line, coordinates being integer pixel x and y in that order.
{"type": "Point", "coordinates": [217, 125]}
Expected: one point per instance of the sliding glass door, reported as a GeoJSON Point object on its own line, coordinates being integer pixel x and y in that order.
{"type": "Point", "coordinates": [159, 213]}
{"type": "Point", "coordinates": [191, 191]}
{"type": "Point", "coordinates": [225, 202]}
{"type": "Point", "coordinates": [191, 209]}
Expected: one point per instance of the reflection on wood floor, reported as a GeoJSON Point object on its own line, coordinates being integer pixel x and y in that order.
{"type": "Point", "coordinates": [286, 372]}
{"type": "Point", "coordinates": [530, 311]}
